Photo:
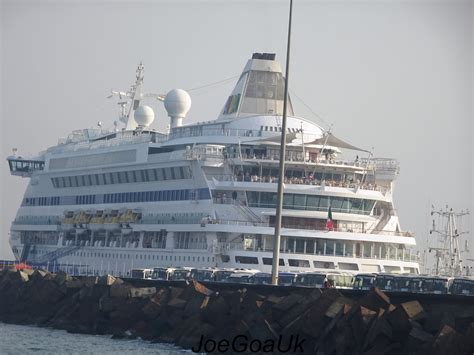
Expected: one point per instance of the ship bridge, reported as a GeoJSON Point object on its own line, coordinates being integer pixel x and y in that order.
{"type": "Point", "coordinates": [24, 167]}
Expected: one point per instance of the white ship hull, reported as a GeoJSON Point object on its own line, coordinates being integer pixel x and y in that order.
{"type": "Point", "coordinates": [205, 194]}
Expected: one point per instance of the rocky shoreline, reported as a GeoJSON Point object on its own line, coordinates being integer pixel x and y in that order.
{"type": "Point", "coordinates": [196, 317]}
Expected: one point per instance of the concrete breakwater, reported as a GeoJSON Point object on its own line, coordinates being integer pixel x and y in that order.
{"type": "Point", "coordinates": [238, 320]}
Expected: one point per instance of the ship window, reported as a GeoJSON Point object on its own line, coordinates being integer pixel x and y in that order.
{"type": "Point", "coordinates": [122, 177]}
{"type": "Point", "coordinates": [187, 173]}
{"type": "Point", "coordinates": [312, 202]}
{"type": "Point", "coordinates": [346, 205]}
{"type": "Point", "coordinates": [128, 176]}
{"type": "Point", "coordinates": [173, 195]}
{"type": "Point", "coordinates": [135, 178]}
{"type": "Point", "coordinates": [114, 178]}
{"type": "Point", "coordinates": [159, 174]}
{"type": "Point", "coordinates": [329, 247]}
{"type": "Point", "coordinates": [288, 200]}
{"type": "Point", "coordinates": [178, 172]}
{"type": "Point", "coordinates": [336, 202]}
{"type": "Point", "coordinates": [300, 201]}
{"type": "Point", "coordinates": [171, 170]}
{"type": "Point", "coordinates": [348, 266]}
{"type": "Point", "coordinates": [151, 174]}
{"type": "Point", "coordinates": [61, 182]}
{"type": "Point", "coordinates": [269, 261]}
{"type": "Point", "coordinates": [323, 264]}
{"type": "Point", "coordinates": [298, 263]}
{"type": "Point", "coordinates": [246, 259]}
{"type": "Point", "coordinates": [323, 201]}
{"type": "Point", "coordinates": [143, 175]}
{"type": "Point", "coordinates": [165, 174]}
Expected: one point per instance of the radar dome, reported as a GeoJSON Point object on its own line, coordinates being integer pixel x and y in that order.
{"type": "Point", "coordinates": [177, 103]}
{"type": "Point", "coordinates": [144, 115]}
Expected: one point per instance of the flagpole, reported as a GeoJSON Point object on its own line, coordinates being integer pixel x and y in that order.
{"type": "Point", "coordinates": [281, 170]}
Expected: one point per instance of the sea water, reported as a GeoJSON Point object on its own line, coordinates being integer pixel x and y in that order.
{"type": "Point", "coordinates": [21, 339]}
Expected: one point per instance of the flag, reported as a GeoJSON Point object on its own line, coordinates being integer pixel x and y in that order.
{"type": "Point", "coordinates": [329, 223]}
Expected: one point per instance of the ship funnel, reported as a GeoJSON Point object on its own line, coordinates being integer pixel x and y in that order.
{"type": "Point", "coordinates": [259, 90]}
{"type": "Point", "coordinates": [177, 104]}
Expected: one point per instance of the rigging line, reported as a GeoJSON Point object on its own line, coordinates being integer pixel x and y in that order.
{"type": "Point", "coordinates": [214, 83]}
{"type": "Point", "coordinates": [309, 108]}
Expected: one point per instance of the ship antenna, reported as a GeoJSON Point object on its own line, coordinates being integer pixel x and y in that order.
{"type": "Point", "coordinates": [281, 170]}
{"type": "Point", "coordinates": [135, 94]}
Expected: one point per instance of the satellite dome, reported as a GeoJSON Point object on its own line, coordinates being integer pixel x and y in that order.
{"type": "Point", "coordinates": [177, 103]}
{"type": "Point", "coordinates": [144, 115]}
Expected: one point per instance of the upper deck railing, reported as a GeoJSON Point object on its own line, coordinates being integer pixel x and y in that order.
{"type": "Point", "coordinates": [109, 140]}
{"type": "Point", "coordinates": [299, 181]}
{"type": "Point", "coordinates": [297, 157]}
{"type": "Point", "coordinates": [200, 131]}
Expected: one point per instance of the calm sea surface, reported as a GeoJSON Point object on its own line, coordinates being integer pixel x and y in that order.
{"type": "Point", "coordinates": [20, 339]}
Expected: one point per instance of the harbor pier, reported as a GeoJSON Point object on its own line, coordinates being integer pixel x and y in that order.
{"type": "Point", "coordinates": [212, 318]}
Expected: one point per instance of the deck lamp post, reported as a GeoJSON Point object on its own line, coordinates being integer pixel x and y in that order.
{"type": "Point", "coordinates": [281, 169]}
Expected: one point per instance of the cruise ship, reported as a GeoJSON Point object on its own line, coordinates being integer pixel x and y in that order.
{"type": "Point", "coordinates": [204, 194]}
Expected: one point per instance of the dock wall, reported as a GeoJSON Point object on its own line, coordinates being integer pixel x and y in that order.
{"type": "Point", "coordinates": [240, 319]}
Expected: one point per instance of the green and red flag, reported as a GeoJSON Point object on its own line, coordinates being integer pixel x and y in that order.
{"type": "Point", "coordinates": [330, 223]}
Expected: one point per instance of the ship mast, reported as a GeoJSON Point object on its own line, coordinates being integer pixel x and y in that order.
{"type": "Point", "coordinates": [448, 257]}
{"type": "Point", "coordinates": [135, 95]}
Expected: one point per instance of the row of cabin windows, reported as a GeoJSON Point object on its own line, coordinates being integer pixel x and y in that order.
{"type": "Point", "coordinates": [123, 177]}
{"type": "Point", "coordinates": [85, 199]}
{"type": "Point", "coordinates": [42, 201]}
{"type": "Point", "coordinates": [311, 202]}
{"type": "Point", "coordinates": [122, 197]}
{"type": "Point", "coordinates": [277, 129]}
{"type": "Point", "coordinates": [292, 262]}
{"type": "Point", "coordinates": [148, 196]}
{"type": "Point", "coordinates": [145, 257]}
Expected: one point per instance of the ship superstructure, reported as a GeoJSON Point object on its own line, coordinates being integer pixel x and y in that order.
{"type": "Point", "coordinates": [204, 194]}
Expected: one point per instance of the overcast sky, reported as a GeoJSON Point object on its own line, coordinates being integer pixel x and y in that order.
{"type": "Point", "coordinates": [393, 75]}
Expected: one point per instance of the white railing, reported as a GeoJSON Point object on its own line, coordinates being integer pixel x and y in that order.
{"type": "Point", "coordinates": [120, 138]}
{"type": "Point", "coordinates": [299, 181]}
{"type": "Point", "coordinates": [399, 256]}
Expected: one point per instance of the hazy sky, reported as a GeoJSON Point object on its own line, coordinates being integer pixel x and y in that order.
{"type": "Point", "coordinates": [393, 75]}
